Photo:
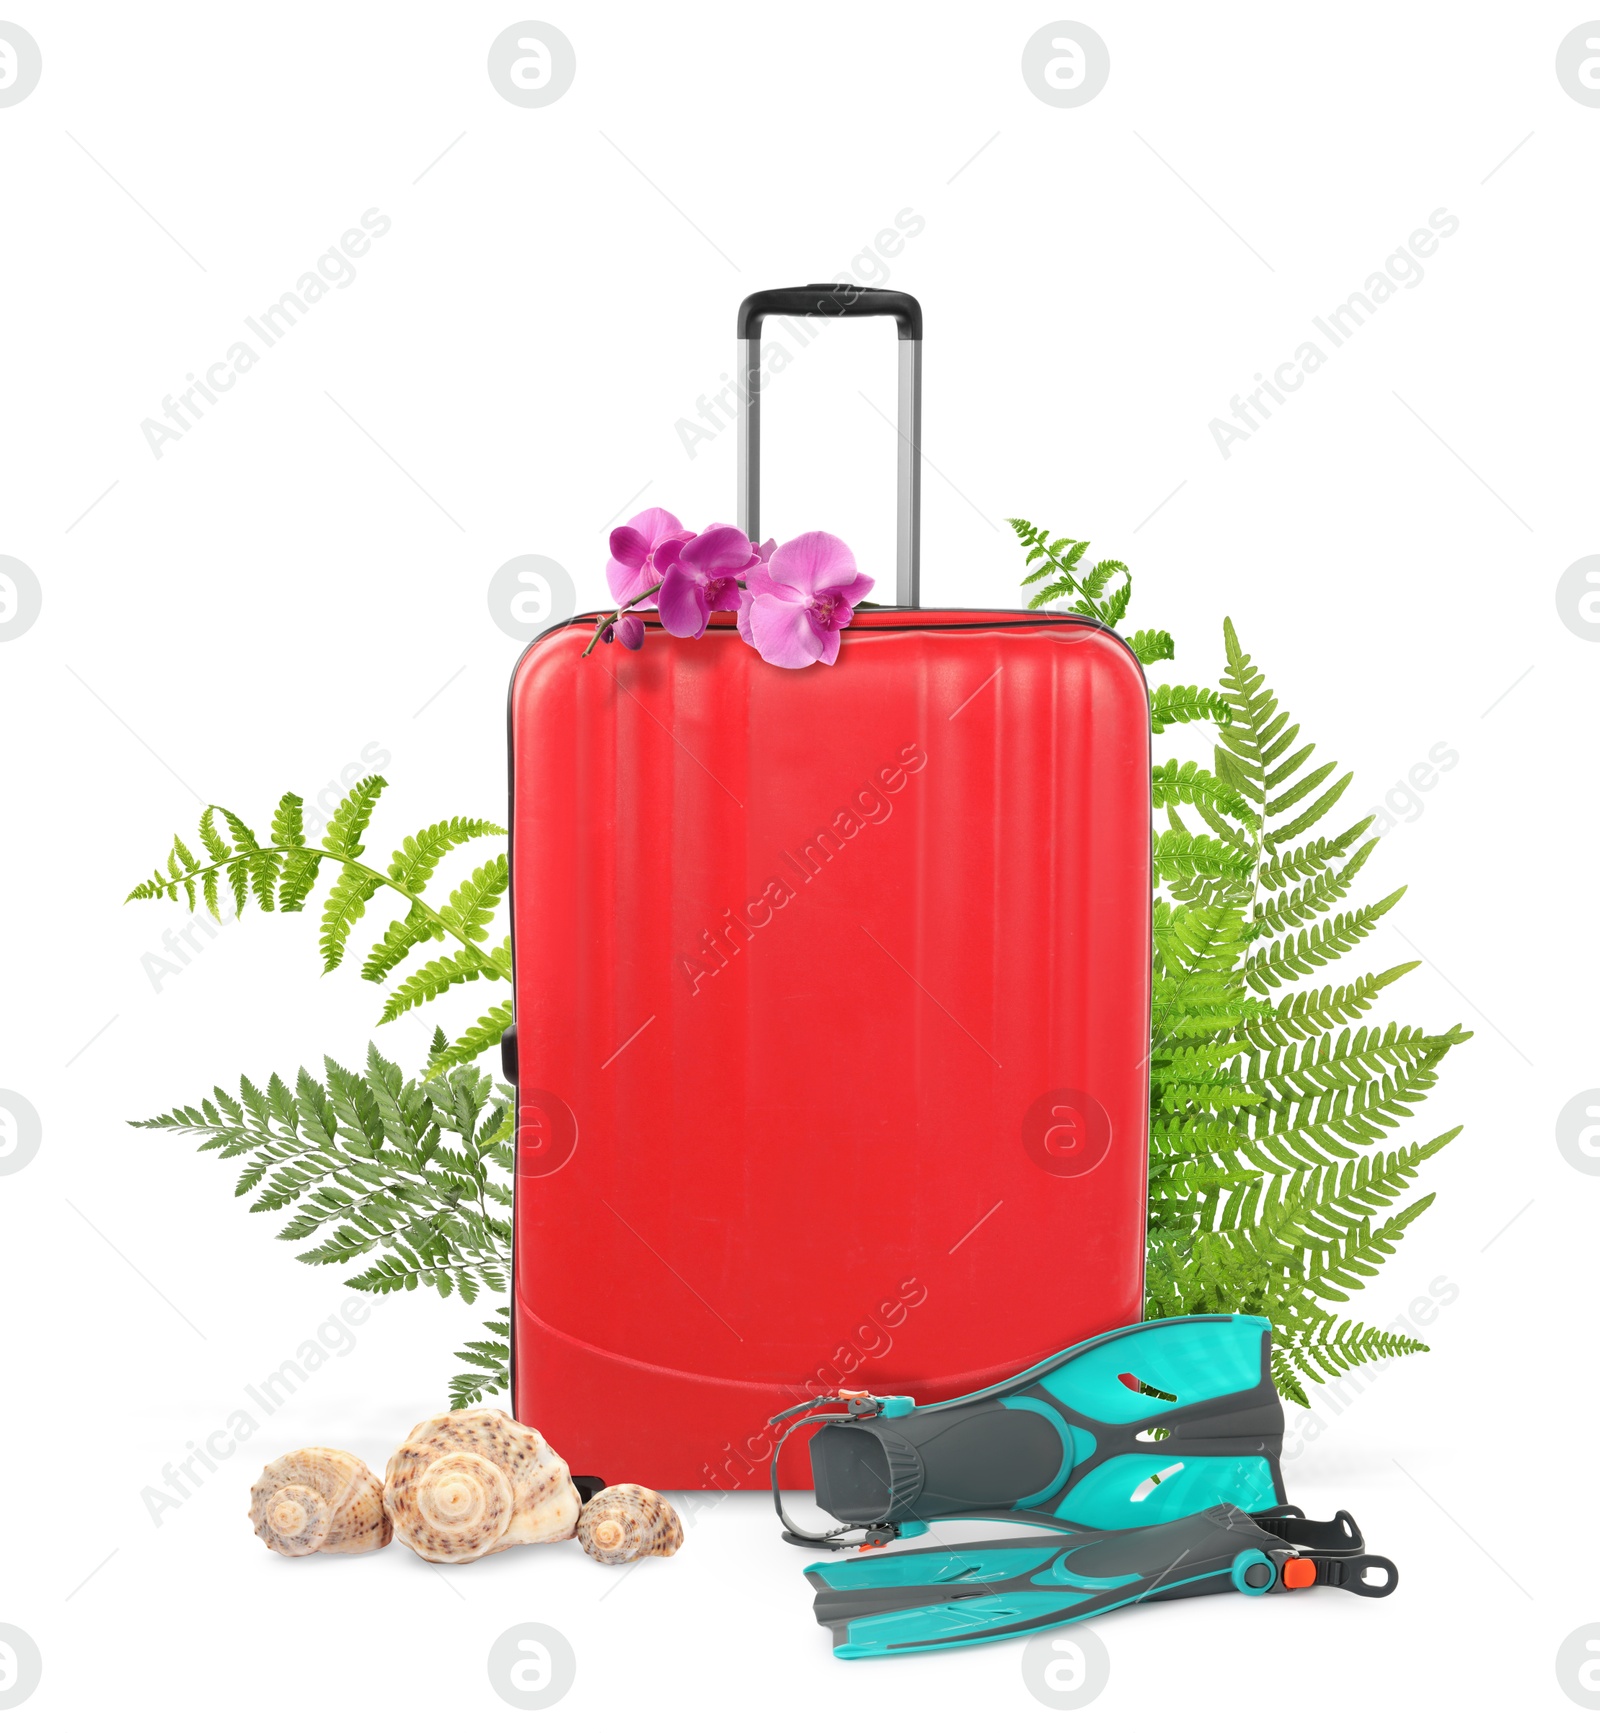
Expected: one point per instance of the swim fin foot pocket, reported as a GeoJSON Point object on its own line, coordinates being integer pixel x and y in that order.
{"type": "Point", "coordinates": [1143, 1424]}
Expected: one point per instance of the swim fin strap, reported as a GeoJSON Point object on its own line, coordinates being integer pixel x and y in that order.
{"type": "Point", "coordinates": [1143, 1424]}
{"type": "Point", "coordinates": [951, 1597]}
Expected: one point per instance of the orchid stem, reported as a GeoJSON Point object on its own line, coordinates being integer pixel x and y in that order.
{"type": "Point", "coordinates": [611, 619]}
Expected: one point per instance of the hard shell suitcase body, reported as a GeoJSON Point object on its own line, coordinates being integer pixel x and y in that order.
{"type": "Point", "coordinates": [832, 1009]}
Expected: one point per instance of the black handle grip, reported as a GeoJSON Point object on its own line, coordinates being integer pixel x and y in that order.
{"type": "Point", "coordinates": [832, 301]}
{"type": "Point", "coordinates": [508, 1053]}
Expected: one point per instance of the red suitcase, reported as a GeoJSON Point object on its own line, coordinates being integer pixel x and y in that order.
{"type": "Point", "coordinates": [832, 1007]}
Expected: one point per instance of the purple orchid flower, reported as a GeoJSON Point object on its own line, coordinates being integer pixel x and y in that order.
{"type": "Point", "coordinates": [629, 631]}
{"type": "Point", "coordinates": [704, 576]}
{"type": "Point", "coordinates": [796, 604]}
{"type": "Point", "coordinates": [642, 550]}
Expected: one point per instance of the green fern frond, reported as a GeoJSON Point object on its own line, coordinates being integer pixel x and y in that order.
{"type": "Point", "coordinates": [492, 1356]}
{"type": "Point", "coordinates": [1063, 586]}
{"type": "Point", "coordinates": [1194, 942]}
{"type": "Point", "coordinates": [1152, 647]}
{"type": "Point", "coordinates": [483, 1035]}
{"type": "Point", "coordinates": [1345, 1263]}
{"type": "Point", "coordinates": [288, 823]}
{"type": "Point", "coordinates": [1174, 784]}
{"type": "Point", "coordinates": [300, 867]}
{"type": "Point", "coordinates": [1279, 870]}
{"type": "Point", "coordinates": [1250, 1188]}
{"type": "Point", "coordinates": [432, 979]}
{"type": "Point", "coordinates": [399, 940]}
{"type": "Point", "coordinates": [1116, 604]}
{"type": "Point", "coordinates": [1298, 1016]}
{"type": "Point", "coordinates": [468, 1389]}
{"type": "Point", "coordinates": [1283, 1377]}
{"type": "Point", "coordinates": [1330, 1347]}
{"type": "Point", "coordinates": [1100, 574]}
{"type": "Point", "coordinates": [417, 857]}
{"type": "Point", "coordinates": [1270, 1165]}
{"type": "Point", "coordinates": [1174, 704]}
{"type": "Point", "coordinates": [349, 822]}
{"type": "Point", "coordinates": [1311, 896]}
{"type": "Point", "coordinates": [282, 873]}
{"type": "Point", "coordinates": [210, 837]}
{"type": "Point", "coordinates": [1324, 803]}
{"type": "Point", "coordinates": [1183, 856]}
{"type": "Point", "coordinates": [475, 899]}
{"type": "Point", "coordinates": [373, 1169]}
{"type": "Point", "coordinates": [1054, 564]}
{"type": "Point", "coordinates": [429, 981]}
{"type": "Point", "coordinates": [346, 904]}
{"type": "Point", "coordinates": [1314, 947]}
{"type": "Point", "coordinates": [1255, 734]}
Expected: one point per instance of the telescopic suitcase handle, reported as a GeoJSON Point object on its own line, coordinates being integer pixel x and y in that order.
{"type": "Point", "coordinates": [841, 301]}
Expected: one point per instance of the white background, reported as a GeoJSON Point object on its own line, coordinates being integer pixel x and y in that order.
{"type": "Point", "coordinates": [247, 612]}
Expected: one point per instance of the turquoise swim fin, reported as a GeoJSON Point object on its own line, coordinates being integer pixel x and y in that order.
{"type": "Point", "coordinates": [1138, 1426]}
{"type": "Point", "coordinates": [954, 1596]}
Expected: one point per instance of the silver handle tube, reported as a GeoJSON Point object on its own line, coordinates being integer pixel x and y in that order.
{"type": "Point", "coordinates": [834, 300]}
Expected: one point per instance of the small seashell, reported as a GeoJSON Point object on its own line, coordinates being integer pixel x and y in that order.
{"type": "Point", "coordinates": [465, 1485]}
{"type": "Point", "coordinates": [622, 1523]}
{"type": "Point", "coordinates": [319, 1500]}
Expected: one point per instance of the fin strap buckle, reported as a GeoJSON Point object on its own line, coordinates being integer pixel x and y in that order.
{"type": "Point", "coordinates": [1291, 1525]}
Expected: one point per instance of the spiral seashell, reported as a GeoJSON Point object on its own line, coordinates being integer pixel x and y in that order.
{"type": "Point", "coordinates": [319, 1500]}
{"type": "Point", "coordinates": [622, 1523]}
{"type": "Point", "coordinates": [465, 1485]}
